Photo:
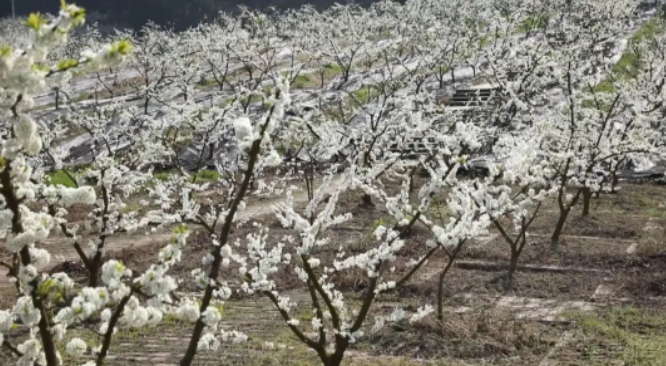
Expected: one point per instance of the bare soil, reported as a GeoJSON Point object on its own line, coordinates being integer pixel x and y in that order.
{"type": "Point", "coordinates": [486, 336]}
{"type": "Point", "coordinates": [577, 252]}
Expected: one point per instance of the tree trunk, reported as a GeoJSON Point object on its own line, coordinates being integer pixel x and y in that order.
{"type": "Point", "coordinates": [587, 198]}
{"type": "Point", "coordinates": [335, 359]}
{"type": "Point", "coordinates": [12, 202]}
{"type": "Point", "coordinates": [367, 200]}
{"type": "Point", "coordinates": [614, 182]}
{"type": "Point", "coordinates": [513, 265]}
{"type": "Point", "coordinates": [440, 286]}
{"type": "Point", "coordinates": [440, 297]}
{"type": "Point", "coordinates": [334, 362]}
{"type": "Point", "coordinates": [411, 183]}
{"type": "Point", "coordinates": [112, 324]}
{"type": "Point", "coordinates": [93, 270]}
{"type": "Point", "coordinates": [555, 238]}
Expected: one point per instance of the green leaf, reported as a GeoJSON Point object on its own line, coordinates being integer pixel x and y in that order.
{"type": "Point", "coordinates": [220, 309]}
{"type": "Point", "coordinates": [40, 67]}
{"type": "Point", "coordinates": [181, 229]}
{"type": "Point", "coordinates": [78, 14]}
{"type": "Point", "coordinates": [35, 21]}
{"type": "Point", "coordinates": [120, 267]}
{"type": "Point", "coordinates": [5, 50]}
{"type": "Point", "coordinates": [67, 64]}
{"type": "Point", "coordinates": [123, 47]}
{"type": "Point", "coordinates": [45, 287]}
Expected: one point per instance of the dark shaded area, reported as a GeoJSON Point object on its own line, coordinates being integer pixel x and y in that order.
{"type": "Point", "coordinates": [177, 13]}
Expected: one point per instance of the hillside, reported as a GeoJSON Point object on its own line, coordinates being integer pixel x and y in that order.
{"type": "Point", "coordinates": [179, 14]}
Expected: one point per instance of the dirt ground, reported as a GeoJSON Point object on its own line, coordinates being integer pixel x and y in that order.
{"type": "Point", "coordinates": [600, 299]}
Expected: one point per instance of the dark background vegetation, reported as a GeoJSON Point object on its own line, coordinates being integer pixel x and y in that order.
{"type": "Point", "coordinates": [179, 14]}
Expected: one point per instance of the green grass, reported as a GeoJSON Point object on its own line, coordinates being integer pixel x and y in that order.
{"type": "Point", "coordinates": [60, 178]}
{"type": "Point", "coordinates": [328, 72]}
{"type": "Point", "coordinates": [604, 87]}
{"type": "Point", "coordinates": [627, 334]}
{"type": "Point", "coordinates": [484, 41]}
{"type": "Point", "coordinates": [651, 244]}
{"type": "Point", "coordinates": [655, 212]}
{"type": "Point", "coordinates": [206, 83]}
{"type": "Point", "coordinates": [627, 66]}
{"type": "Point", "coordinates": [254, 98]}
{"type": "Point", "coordinates": [364, 95]}
{"type": "Point", "coordinates": [181, 137]}
{"type": "Point", "coordinates": [332, 70]}
{"type": "Point", "coordinates": [650, 207]}
{"type": "Point", "coordinates": [208, 176]}
{"type": "Point", "coordinates": [226, 102]}
{"type": "Point", "coordinates": [651, 28]}
{"type": "Point", "coordinates": [350, 102]}
{"type": "Point", "coordinates": [533, 22]}
{"type": "Point", "coordinates": [629, 63]}
{"type": "Point", "coordinates": [332, 67]}
{"type": "Point", "coordinates": [163, 176]}
{"type": "Point", "coordinates": [302, 81]}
